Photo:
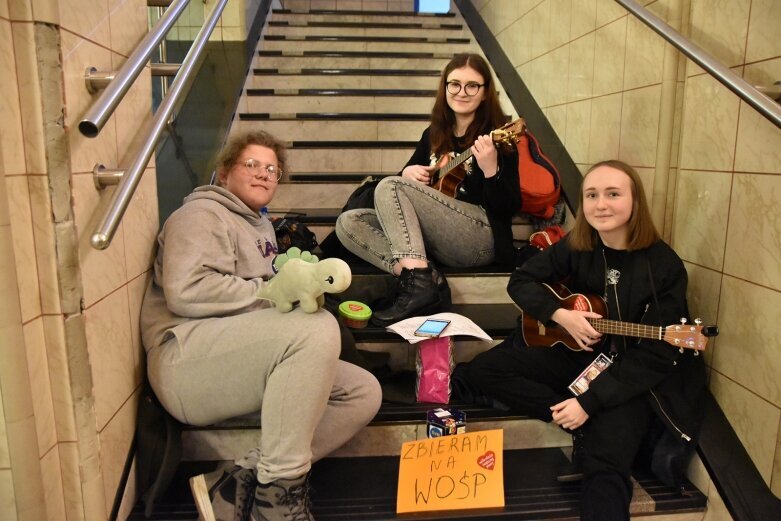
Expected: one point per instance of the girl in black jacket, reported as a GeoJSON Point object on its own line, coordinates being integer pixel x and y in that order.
{"type": "Point", "coordinates": [615, 252]}
{"type": "Point", "coordinates": [412, 222]}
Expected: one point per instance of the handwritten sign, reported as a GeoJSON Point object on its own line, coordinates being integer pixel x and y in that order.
{"type": "Point", "coordinates": [457, 472]}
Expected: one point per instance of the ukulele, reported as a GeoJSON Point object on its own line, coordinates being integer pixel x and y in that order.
{"type": "Point", "coordinates": [681, 335]}
{"type": "Point", "coordinates": [450, 174]}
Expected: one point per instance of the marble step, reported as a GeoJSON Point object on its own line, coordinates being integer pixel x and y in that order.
{"type": "Point", "coordinates": [364, 16]}
{"type": "Point", "coordinates": [382, 60]}
{"type": "Point", "coordinates": [432, 45]}
{"type": "Point", "coordinates": [302, 103]}
{"type": "Point", "coordinates": [270, 80]}
{"type": "Point", "coordinates": [338, 130]}
{"type": "Point", "coordinates": [365, 29]}
{"type": "Point", "coordinates": [344, 158]}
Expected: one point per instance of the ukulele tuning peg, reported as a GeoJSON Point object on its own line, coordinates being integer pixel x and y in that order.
{"type": "Point", "coordinates": [680, 350]}
{"type": "Point", "coordinates": [683, 320]}
{"type": "Point", "coordinates": [697, 321]}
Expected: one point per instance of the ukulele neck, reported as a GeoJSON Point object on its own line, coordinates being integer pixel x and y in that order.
{"type": "Point", "coordinates": [614, 327]}
{"type": "Point", "coordinates": [454, 162]}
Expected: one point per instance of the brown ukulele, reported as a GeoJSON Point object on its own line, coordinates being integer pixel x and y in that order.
{"type": "Point", "coordinates": [683, 336]}
{"type": "Point", "coordinates": [451, 173]}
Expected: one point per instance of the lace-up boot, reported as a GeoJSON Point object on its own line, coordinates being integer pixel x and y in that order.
{"type": "Point", "coordinates": [421, 291]}
{"type": "Point", "coordinates": [283, 500]}
{"type": "Point", "coordinates": [225, 494]}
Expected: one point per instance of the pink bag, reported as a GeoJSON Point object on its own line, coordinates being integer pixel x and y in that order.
{"type": "Point", "coordinates": [434, 365]}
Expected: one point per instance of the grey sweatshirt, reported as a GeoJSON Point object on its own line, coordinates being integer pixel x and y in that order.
{"type": "Point", "coordinates": [214, 253]}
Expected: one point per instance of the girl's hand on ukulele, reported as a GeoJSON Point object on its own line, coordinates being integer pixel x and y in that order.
{"type": "Point", "coordinates": [486, 155]}
{"type": "Point", "coordinates": [569, 414]}
{"type": "Point", "coordinates": [578, 327]}
{"type": "Point", "coordinates": [418, 173]}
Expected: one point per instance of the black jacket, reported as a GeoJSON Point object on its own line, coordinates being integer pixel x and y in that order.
{"type": "Point", "coordinates": [673, 382]}
{"type": "Point", "coordinates": [500, 195]}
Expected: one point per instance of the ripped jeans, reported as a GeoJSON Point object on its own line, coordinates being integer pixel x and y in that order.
{"type": "Point", "coordinates": [412, 220]}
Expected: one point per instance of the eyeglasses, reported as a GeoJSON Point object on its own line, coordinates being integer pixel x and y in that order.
{"type": "Point", "coordinates": [260, 171]}
{"type": "Point", "coordinates": [470, 89]}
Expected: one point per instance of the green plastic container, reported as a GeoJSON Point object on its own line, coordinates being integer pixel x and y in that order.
{"type": "Point", "coordinates": [354, 314]}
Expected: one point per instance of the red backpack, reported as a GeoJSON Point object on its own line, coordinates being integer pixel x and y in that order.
{"type": "Point", "coordinates": [538, 177]}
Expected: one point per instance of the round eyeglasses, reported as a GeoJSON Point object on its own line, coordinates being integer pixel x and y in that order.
{"type": "Point", "coordinates": [260, 171]}
{"type": "Point", "coordinates": [470, 89]}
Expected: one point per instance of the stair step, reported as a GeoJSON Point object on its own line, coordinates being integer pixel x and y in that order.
{"type": "Point", "coordinates": [265, 81]}
{"type": "Point", "coordinates": [345, 130]}
{"type": "Point", "coordinates": [376, 60]}
{"type": "Point", "coordinates": [342, 157]}
{"type": "Point", "coordinates": [332, 116]}
{"type": "Point", "coordinates": [364, 489]}
{"type": "Point", "coordinates": [366, 24]}
{"type": "Point", "coordinates": [364, 29]}
{"type": "Point", "coordinates": [272, 42]}
{"type": "Point", "coordinates": [301, 103]}
{"type": "Point", "coordinates": [345, 71]}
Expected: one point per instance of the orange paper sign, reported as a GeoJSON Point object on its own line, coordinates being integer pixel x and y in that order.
{"type": "Point", "coordinates": [457, 472]}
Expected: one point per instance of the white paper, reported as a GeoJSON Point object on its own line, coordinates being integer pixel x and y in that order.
{"type": "Point", "coordinates": [459, 325]}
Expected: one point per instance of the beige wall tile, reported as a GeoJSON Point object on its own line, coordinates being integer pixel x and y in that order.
{"type": "Point", "coordinates": [28, 482]}
{"type": "Point", "coordinates": [46, 11]}
{"type": "Point", "coordinates": [115, 440]}
{"type": "Point", "coordinates": [128, 24]}
{"type": "Point", "coordinates": [23, 247]}
{"type": "Point", "coordinates": [45, 249]}
{"type": "Point", "coordinates": [516, 41]}
{"type": "Point", "coordinates": [18, 9]}
{"type": "Point", "coordinates": [5, 460]}
{"type": "Point", "coordinates": [763, 30]}
{"type": "Point", "coordinates": [4, 9]}
{"type": "Point", "coordinates": [11, 139]}
{"type": "Point", "coordinates": [71, 481]}
{"type": "Point", "coordinates": [102, 271]}
{"type": "Point", "coordinates": [607, 11]}
{"type": "Point", "coordinates": [560, 22]}
{"type": "Point", "coordinates": [110, 351]}
{"type": "Point", "coordinates": [640, 126]}
{"type": "Point", "coordinates": [578, 124]}
{"type": "Point", "coordinates": [644, 55]}
{"type": "Point", "coordinates": [755, 421]}
{"type": "Point", "coordinates": [709, 121]}
{"type": "Point", "coordinates": [609, 50]}
{"type": "Point", "coordinates": [605, 128]}
{"type": "Point", "coordinates": [132, 114]}
{"type": "Point", "coordinates": [557, 117]}
{"type": "Point", "coordinates": [775, 484]}
{"type": "Point", "coordinates": [136, 289]}
{"type": "Point", "coordinates": [141, 224]}
{"type": "Point", "coordinates": [702, 200]}
{"type": "Point", "coordinates": [747, 350]}
{"type": "Point", "coordinates": [720, 27]}
{"type": "Point", "coordinates": [78, 54]}
{"type": "Point", "coordinates": [581, 68]}
{"type": "Point", "coordinates": [5, 219]}
{"type": "Point", "coordinates": [716, 510]}
{"type": "Point", "coordinates": [753, 229]}
{"type": "Point", "coordinates": [584, 17]}
{"type": "Point", "coordinates": [499, 15]}
{"type": "Point", "coordinates": [40, 387]}
{"type": "Point", "coordinates": [52, 484]}
{"type": "Point", "coordinates": [703, 295]}
{"type": "Point", "coordinates": [759, 141]}
{"type": "Point", "coordinates": [29, 97]}
{"type": "Point", "coordinates": [13, 373]}
{"type": "Point", "coordinates": [539, 17]}
{"type": "Point", "coordinates": [555, 74]}
{"type": "Point", "coordinates": [90, 21]}
{"type": "Point", "coordinates": [9, 307]}
{"type": "Point", "coordinates": [7, 501]}
{"type": "Point", "coordinates": [59, 378]}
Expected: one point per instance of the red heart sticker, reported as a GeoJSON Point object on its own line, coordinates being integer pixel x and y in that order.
{"type": "Point", "coordinates": [487, 460]}
{"type": "Point", "coordinates": [354, 307]}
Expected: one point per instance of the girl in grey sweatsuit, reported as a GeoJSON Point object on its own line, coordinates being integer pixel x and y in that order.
{"type": "Point", "coordinates": [215, 351]}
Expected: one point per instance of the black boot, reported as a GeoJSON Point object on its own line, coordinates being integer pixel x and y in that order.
{"type": "Point", "coordinates": [421, 291]}
{"type": "Point", "coordinates": [283, 500]}
{"type": "Point", "coordinates": [573, 471]}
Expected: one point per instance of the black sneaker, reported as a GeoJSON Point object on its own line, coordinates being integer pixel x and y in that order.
{"type": "Point", "coordinates": [225, 494]}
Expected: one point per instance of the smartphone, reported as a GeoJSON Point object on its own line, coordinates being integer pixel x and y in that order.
{"type": "Point", "coordinates": [432, 327]}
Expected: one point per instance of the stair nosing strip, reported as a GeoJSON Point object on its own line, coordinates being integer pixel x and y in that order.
{"type": "Point", "coordinates": [331, 116]}
{"type": "Point", "coordinates": [386, 39]}
{"type": "Point", "coordinates": [344, 72]}
{"type": "Point", "coordinates": [411, 93]}
{"type": "Point", "coordinates": [352, 12]}
{"type": "Point", "coordinates": [371, 25]}
{"type": "Point", "coordinates": [355, 54]}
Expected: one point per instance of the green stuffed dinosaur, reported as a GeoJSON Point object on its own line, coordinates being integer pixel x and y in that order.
{"type": "Point", "coordinates": [301, 277]}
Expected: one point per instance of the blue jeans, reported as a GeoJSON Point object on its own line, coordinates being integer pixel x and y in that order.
{"type": "Point", "coordinates": [412, 220]}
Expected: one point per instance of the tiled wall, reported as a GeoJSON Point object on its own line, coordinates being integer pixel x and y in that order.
{"type": "Point", "coordinates": [78, 307]}
{"type": "Point", "coordinates": [710, 163]}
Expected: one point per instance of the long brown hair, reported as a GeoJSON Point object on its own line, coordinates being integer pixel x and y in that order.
{"type": "Point", "coordinates": [489, 113]}
{"type": "Point", "coordinates": [641, 232]}
{"type": "Point", "coordinates": [236, 144]}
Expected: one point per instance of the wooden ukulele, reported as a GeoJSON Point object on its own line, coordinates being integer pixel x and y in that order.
{"type": "Point", "coordinates": [681, 335]}
{"type": "Point", "coordinates": [451, 173]}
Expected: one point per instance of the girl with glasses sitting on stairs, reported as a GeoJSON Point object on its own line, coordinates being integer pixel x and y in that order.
{"type": "Point", "coordinates": [413, 222]}
{"type": "Point", "coordinates": [215, 351]}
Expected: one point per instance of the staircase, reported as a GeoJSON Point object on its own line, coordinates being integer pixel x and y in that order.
{"type": "Point", "coordinates": [351, 92]}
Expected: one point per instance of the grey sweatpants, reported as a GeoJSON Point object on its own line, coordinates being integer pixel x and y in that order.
{"type": "Point", "coordinates": [284, 365]}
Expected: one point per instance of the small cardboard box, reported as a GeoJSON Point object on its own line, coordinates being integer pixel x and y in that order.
{"type": "Point", "coordinates": [445, 422]}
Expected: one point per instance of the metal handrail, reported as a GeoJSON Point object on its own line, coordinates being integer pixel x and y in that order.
{"type": "Point", "coordinates": [96, 117]}
{"type": "Point", "coordinates": [105, 231]}
{"type": "Point", "coordinates": [766, 106]}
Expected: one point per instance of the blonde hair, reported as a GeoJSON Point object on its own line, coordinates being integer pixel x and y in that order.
{"type": "Point", "coordinates": [641, 232]}
{"type": "Point", "coordinates": [236, 144]}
